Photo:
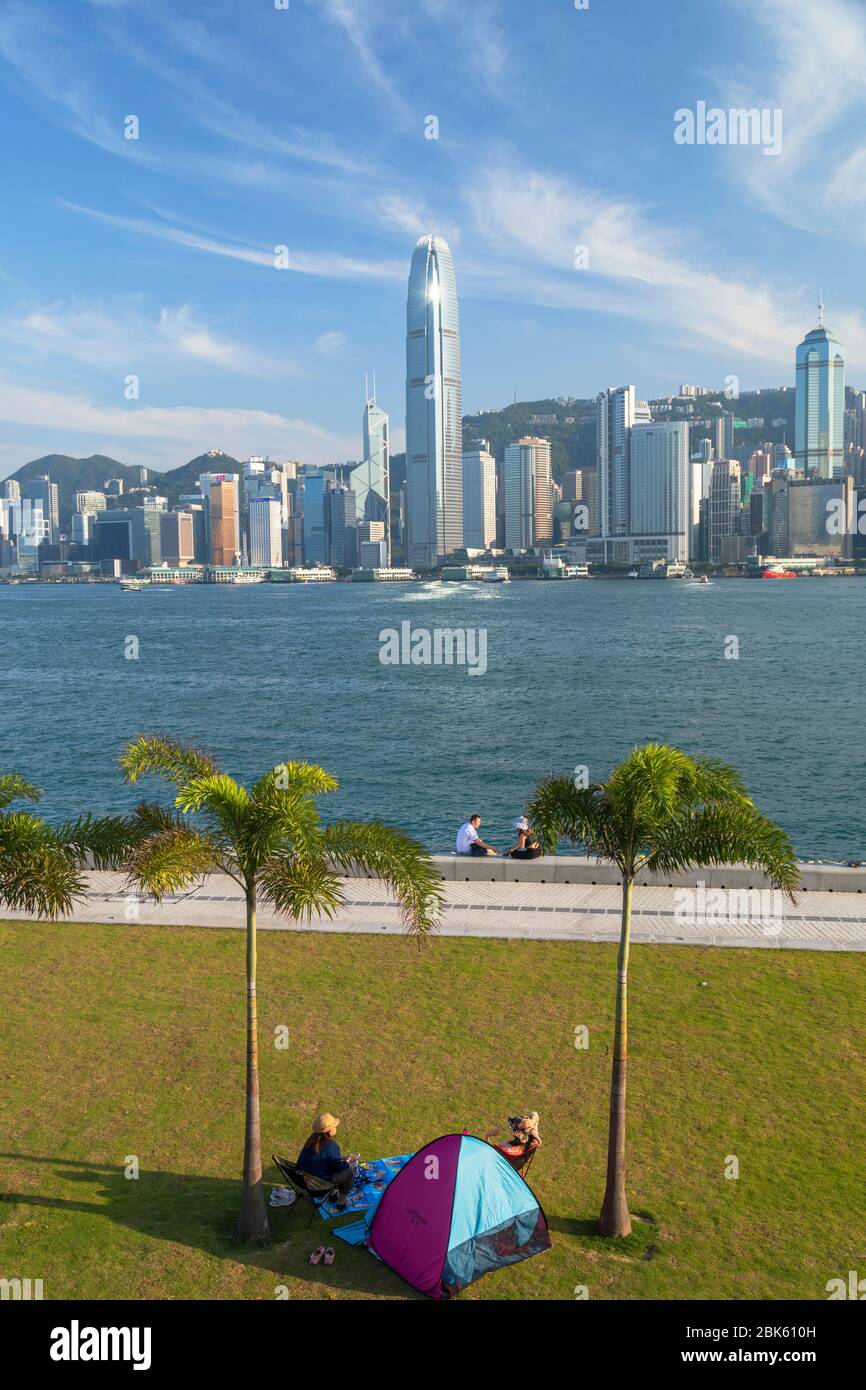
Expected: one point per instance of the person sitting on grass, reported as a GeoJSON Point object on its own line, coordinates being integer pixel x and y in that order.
{"type": "Point", "coordinates": [321, 1157]}
{"type": "Point", "coordinates": [523, 1139]}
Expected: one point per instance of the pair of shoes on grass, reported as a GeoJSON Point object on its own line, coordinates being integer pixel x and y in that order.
{"type": "Point", "coordinates": [282, 1197]}
{"type": "Point", "coordinates": [324, 1253]}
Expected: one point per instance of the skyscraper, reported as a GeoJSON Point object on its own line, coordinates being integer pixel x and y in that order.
{"type": "Point", "coordinates": [723, 436]}
{"type": "Point", "coordinates": [659, 486]}
{"type": "Point", "coordinates": [223, 521]}
{"type": "Point", "coordinates": [528, 512]}
{"type": "Point", "coordinates": [819, 411]}
{"type": "Point", "coordinates": [434, 447]}
{"type": "Point", "coordinates": [723, 507]}
{"type": "Point", "coordinates": [370, 480]}
{"type": "Point", "coordinates": [266, 530]}
{"type": "Point", "coordinates": [479, 497]}
{"type": "Point", "coordinates": [618, 410]}
{"type": "Point", "coordinates": [222, 517]}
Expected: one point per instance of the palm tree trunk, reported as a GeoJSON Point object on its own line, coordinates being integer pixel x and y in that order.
{"type": "Point", "coordinates": [615, 1219]}
{"type": "Point", "coordinates": [253, 1224]}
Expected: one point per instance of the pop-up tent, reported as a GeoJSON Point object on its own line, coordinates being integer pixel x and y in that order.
{"type": "Point", "coordinates": [455, 1211]}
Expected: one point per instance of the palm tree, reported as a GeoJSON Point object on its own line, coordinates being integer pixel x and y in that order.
{"type": "Point", "coordinates": [664, 812]}
{"type": "Point", "coordinates": [41, 864]}
{"type": "Point", "coordinates": [272, 842]}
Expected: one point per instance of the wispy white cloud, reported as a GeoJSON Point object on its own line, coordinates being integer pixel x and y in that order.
{"type": "Point", "coordinates": [167, 436]}
{"type": "Point", "coordinates": [124, 337]}
{"type": "Point", "coordinates": [329, 343]}
{"type": "Point", "coordinates": [638, 268]}
{"type": "Point", "coordinates": [328, 264]}
{"type": "Point", "coordinates": [813, 67]}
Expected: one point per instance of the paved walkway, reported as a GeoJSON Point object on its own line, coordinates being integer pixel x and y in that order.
{"type": "Point", "coordinates": [544, 912]}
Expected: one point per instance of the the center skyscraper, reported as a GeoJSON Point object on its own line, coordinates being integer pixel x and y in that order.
{"type": "Point", "coordinates": [434, 444]}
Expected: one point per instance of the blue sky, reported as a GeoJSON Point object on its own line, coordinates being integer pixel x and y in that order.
{"type": "Point", "coordinates": [305, 127]}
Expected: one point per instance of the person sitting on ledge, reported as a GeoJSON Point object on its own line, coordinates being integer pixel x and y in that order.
{"type": "Point", "coordinates": [523, 1139]}
{"type": "Point", "coordinates": [527, 846]}
{"type": "Point", "coordinates": [321, 1157]}
{"type": "Point", "coordinates": [468, 839]}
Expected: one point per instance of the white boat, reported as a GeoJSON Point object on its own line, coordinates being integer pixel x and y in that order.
{"type": "Point", "coordinates": [133, 586]}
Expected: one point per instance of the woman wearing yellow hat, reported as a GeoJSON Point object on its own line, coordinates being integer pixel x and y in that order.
{"type": "Point", "coordinates": [321, 1156]}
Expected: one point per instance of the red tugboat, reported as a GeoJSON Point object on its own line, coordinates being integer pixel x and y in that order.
{"type": "Point", "coordinates": [778, 572]}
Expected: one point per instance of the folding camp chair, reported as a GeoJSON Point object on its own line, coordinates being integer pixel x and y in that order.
{"type": "Point", "coordinates": [521, 1163]}
{"type": "Point", "coordinates": [315, 1191]}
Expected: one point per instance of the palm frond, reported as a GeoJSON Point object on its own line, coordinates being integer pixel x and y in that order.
{"type": "Point", "coordinates": [733, 832]}
{"type": "Point", "coordinates": [165, 757]}
{"type": "Point", "coordinates": [402, 864]}
{"type": "Point", "coordinates": [171, 861]}
{"type": "Point", "coordinates": [14, 788]}
{"type": "Point", "coordinates": [105, 841]}
{"type": "Point", "coordinates": [37, 873]}
{"type": "Point", "coordinates": [300, 888]}
{"type": "Point", "coordinates": [293, 776]}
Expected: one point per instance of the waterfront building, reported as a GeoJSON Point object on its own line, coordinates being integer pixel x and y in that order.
{"type": "Point", "coordinates": [342, 526]}
{"type": "Point", "coordinates": [617, 411]}
{"type": "Point", "coordinates": [723, 515]}
{"type": "Point", "coordinates": [819, 410]}
{"type": "Point", "coordinates": [266, 531]}
{"type": "Point", "coordinates": [434, 447]}
{"type": "Point", "coordinates": [177, 538]}
{"type": "Point", "coordinates": [373, 555]}
{"type": "Point", "coordinates": [222, 519]}
{"type": "Point", "coordinates": [113, 540]}
{"type": "Point", "coordinates": [479, 497]}
{"type": "Point", "coordinates": [813, 516]}
{"type": "Point", "coordinates": [659, 485]}
{"type": "Point", "coordinates": [528, 518]}
{"type": "Point", "coordinates": [42, 490]}
{"type": "Point", "coordinates": [315, 548]}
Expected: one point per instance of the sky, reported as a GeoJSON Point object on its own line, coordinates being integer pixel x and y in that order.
{"type": "Point", "coordinates": [305, 125]}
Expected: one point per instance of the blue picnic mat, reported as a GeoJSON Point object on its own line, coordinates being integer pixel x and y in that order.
{"type": "Point", "coordinates": [370, 1182]}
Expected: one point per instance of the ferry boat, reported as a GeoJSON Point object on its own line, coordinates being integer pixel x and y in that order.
{"type": "Point", "coordinates": [778, 572]}
{"type": "Point", "coordinates": [496, 574]}
{"type": "Point", "coordinates": [133, 586]}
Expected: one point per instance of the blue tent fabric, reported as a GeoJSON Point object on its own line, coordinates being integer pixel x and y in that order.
{"type": "Point", "coordinates": [456, 1211]}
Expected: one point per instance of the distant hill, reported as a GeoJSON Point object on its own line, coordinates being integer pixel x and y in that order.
{"type": "Point", "coordinates": [81, 475]}
{"type": "Point", "coordinates": [570, 424]}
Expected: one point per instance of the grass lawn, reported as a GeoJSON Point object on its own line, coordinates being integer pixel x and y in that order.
{"type": "Point", "coordinates": [128, 1040]}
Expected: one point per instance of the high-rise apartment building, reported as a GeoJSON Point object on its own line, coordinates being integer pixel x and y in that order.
{"type": "Point", "coordinates": [434, 446]}
{"type": "Point", "coordinates": [819, 410]}
{"type": "Point", "coordinates": [528, 499]}
{"type": "Point", "coordinates": [479, 497]}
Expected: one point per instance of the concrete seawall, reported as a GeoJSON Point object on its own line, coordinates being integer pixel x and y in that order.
{"type": "Point", "coordinates": [566, 868]}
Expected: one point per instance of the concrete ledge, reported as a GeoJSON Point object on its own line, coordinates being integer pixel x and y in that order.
{"type": "Point", "coordinates": [575, 868]}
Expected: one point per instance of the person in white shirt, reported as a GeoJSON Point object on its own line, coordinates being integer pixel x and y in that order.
{"type": "Point", "coordinates": [468, 839]}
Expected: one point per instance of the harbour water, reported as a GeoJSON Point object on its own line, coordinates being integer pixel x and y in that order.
{"type": "Point", "coordinates": [576, 674]}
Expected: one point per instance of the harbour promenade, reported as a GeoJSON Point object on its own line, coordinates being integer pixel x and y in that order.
{"type": "Point", "coordinates": [567, 898]}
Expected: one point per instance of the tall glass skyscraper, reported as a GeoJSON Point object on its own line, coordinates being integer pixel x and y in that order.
{"type": "Point", "coordinates": [371, 481]}
{"type": "Point", "coordinates": [819, 413]}
{"type": "Point", "coordinates": [434, 447]}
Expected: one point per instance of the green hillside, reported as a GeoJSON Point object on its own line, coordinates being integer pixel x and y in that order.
{"type": "Point", "coordinates": [80, 475]}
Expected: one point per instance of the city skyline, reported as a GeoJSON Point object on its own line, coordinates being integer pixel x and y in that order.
{"type": "Point", "coordinates": [136, 260]}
